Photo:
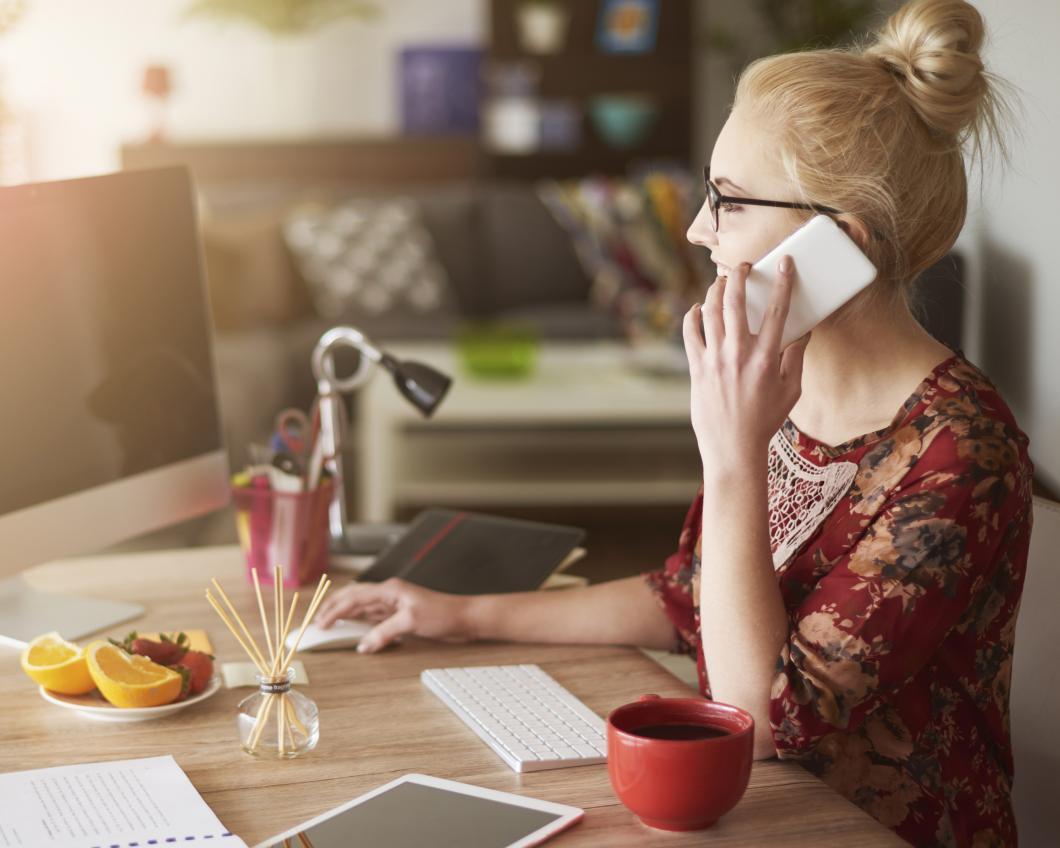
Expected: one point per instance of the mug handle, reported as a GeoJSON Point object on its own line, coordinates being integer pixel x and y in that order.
{"type": "Point", "coordinates": [649, 698]}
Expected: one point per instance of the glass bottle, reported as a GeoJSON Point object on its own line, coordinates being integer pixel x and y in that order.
{"type": "Point", "coordinates": [278, 721]}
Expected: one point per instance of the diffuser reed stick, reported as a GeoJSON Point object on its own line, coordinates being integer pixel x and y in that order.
{"type": "Point", "coordinates": [273, 672]}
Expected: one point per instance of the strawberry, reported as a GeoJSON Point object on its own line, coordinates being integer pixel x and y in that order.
{"type": "Point", "coordinates": [165, 652]}
{"type": "Point", "coordinates": [185, 681]}
{"type": "Point", "coordinates": [199, 666]}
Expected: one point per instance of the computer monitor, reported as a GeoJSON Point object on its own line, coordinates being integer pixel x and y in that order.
{"type": "Point", "coordinates": [110, 425]}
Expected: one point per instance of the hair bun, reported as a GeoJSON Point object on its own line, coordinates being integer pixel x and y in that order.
{"type": "Point", "coordinates": [932, 46]}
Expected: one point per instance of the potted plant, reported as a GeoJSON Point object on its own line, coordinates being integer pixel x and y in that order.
{"type": "Point", "coordinates": [285, 17]}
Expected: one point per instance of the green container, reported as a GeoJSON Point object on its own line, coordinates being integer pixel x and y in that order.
{"type": "Point", "coordinates": [504, 351]}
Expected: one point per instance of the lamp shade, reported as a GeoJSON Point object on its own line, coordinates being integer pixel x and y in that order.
{"type": "Point", "coordinates": [423, 386]}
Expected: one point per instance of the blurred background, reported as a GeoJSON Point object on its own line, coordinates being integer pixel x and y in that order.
{"type": "Point", "coordinates": [499, 187]}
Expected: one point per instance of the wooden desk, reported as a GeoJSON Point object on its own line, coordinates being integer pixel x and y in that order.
{"type": "Point", "coordinates": [378, 722]}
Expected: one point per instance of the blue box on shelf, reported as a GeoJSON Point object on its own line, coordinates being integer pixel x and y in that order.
{"type": "Point", "coordinates": [440, 90]}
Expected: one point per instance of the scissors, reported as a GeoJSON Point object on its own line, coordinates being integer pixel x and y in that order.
{"type": "Point", "coordinates": [295, 431]}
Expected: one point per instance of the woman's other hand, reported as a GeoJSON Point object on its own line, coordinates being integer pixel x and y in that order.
{"type": "Point", "coordinates": [743, 386]}
{"type": "Point", "coordinates": [398, 608]}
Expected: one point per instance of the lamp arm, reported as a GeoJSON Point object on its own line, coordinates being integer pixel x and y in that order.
{"type": "Point", "coordinates": [324, 366]}
{"type": "Point", "coordinates": [329, 390]}
{"type": "Point", "coordinates": [331, 450]}
{"type": "Point", "coordinates": [420, 384]}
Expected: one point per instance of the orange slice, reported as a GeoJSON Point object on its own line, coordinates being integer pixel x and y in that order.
{"type": "Point", "coordinates": [57, 665]}
{"type": "Point", "coordinates": [129, 680]}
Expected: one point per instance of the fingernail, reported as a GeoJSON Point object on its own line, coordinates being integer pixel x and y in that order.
{"type": "Point", "coordinates": [785, 265]}
{"type": "Point", "coordinates": [362, 648]}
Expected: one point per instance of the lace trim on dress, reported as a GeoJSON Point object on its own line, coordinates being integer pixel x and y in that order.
{"type": "Point", "coordinates": [801, 496]}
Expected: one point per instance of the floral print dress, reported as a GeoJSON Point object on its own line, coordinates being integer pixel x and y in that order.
{"type": "Point", "coordinates": [893, 684]}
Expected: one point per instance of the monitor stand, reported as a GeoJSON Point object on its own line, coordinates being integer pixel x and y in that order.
{"type": "Point", "coordinates": [26, 613]}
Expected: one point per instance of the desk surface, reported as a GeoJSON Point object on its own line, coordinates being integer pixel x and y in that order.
{"type": "Point", "coordinates": [378, 722]}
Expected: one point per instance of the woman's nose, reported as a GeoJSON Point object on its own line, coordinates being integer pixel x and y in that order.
{"type": "Point", "coordinates": [701, 231]}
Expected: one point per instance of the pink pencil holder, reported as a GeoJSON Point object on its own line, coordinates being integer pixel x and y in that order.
{"type": "Point", "coordinates": [281, 528]}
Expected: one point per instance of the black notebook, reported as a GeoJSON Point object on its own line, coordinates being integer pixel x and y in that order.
{"type": "Point", "coordinates": [468, 553]}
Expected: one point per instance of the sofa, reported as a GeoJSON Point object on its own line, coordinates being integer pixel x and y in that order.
{"type": "Point", "coordinates": [505, 257]}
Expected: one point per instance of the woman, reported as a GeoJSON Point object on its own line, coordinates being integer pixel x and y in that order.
{"type": "Point", "coordinates": [866, 492]}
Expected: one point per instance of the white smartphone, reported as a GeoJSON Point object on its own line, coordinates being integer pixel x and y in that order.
{"type": "Point", "coordinates": [829, 270]}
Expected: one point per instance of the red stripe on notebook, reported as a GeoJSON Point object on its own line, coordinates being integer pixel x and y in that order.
{"type": "Point", "coordinates": [441, 534]}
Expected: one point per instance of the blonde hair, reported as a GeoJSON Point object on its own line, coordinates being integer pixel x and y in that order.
{"type": "Point", "coordinates": [879, 131]}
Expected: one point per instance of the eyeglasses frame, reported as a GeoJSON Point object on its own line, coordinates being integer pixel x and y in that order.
{"type": "Point", "coordinates": [715, 198]}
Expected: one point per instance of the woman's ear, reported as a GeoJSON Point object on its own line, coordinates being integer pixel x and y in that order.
{"type": "Point", "coordinates": [856, 229]}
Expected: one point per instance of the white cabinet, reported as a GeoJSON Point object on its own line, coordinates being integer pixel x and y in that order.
{"type": "Point", "coordinates": [587, 427]}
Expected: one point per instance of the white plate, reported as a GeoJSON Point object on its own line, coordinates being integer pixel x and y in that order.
{"type": "Point", "coordinates": [93, 705]}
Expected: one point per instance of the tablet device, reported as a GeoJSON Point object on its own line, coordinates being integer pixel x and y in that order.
{"type": "Point", "coordinates": [418, 811]}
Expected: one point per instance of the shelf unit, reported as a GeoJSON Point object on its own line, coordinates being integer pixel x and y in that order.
{"type": "Point", "coordinates": [582, 71]}
{"type": "Point", "coordinates": [627, 462]}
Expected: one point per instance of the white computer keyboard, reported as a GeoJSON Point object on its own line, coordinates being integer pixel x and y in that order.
{"type": "Point", "coordinates": [524, 715]}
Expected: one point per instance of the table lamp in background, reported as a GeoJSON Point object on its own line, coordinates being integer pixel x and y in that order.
{"type": "Point", "coordinates": [423, 386]}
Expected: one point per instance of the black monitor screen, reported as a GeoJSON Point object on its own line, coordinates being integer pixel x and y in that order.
{"type": "Point", "coordinates": [105, 352]}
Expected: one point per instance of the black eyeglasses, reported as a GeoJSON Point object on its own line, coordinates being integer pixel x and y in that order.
{"type": "Point", "coordinates": [715, 199]}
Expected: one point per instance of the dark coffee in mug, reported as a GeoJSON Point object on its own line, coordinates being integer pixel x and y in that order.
{"type": "Point", "coordinates": [683, 731]}
{"type": "Point", "coordinates": [679, 763]}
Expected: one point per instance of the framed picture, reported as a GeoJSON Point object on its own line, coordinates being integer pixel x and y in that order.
{"type": "Point", "coordinates": [627, 26]}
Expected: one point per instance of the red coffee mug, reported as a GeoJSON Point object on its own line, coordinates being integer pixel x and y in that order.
{"type": "Point", "coordinates": [679, 784]}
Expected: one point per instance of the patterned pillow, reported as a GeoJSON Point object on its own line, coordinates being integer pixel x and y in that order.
{"type": "Point", "coordinates": [367, 257]}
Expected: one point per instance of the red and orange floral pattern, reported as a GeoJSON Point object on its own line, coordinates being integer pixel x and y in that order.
{"type": "Point", "coordinates": [893, 685]}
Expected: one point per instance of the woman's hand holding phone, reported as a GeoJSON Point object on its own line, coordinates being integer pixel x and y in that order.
{"type": "Point", "coordinates": [743, 385]}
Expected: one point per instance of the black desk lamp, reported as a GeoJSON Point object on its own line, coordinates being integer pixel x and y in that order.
{"type": "Point", "coordinates": [423, 386]}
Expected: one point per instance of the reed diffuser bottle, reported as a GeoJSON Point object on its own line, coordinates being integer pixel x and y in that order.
{"type": "Point", "coordinates": [276, 722]}
{"type": "Point", "coordinates": [288, 724]}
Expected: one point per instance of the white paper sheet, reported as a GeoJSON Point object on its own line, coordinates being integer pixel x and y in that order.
{"type": "Point", "coordinates": [126, 803]}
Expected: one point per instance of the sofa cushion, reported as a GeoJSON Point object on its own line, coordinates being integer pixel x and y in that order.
{"type": "Point", "coordinates": [367, 257]}
{"type": "Point", "coordinates": [527, 258]}
{"type": "Point", "coordinates": [451, 214]}
{"type": "Point", "coordinates": [252, 281]}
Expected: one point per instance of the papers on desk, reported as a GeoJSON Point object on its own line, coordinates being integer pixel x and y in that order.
{"type": "Point", "coordinates": [100, 805]}
{"type": "Point", "coordinates": [236, 674]}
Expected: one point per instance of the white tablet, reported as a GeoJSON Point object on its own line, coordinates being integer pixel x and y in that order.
{"type": "Point", "coordinates": [418, 811]}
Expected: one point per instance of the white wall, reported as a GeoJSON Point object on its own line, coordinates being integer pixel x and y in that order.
{"type": "Point", "coordinates": [72, 71]}
{"type": "Point", "coordinates": [1017, 312]}
{"type": "Point", "coordinates": [1012, 328]}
